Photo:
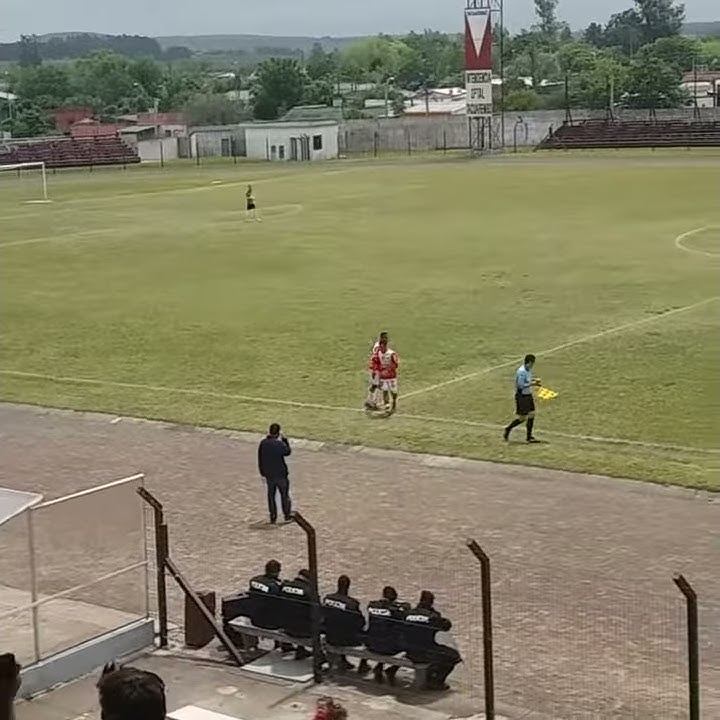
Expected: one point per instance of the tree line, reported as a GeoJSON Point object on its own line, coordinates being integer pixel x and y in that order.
{"type": "Point", "coordinates": [638, 57]}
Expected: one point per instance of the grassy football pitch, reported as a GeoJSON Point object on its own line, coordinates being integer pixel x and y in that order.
{"type": "Point", "coordinates": [144, 292]}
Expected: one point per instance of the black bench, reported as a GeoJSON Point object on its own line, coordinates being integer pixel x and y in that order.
{"type": "Point", "coordinates": [249, 633]}
{"type": "Point", "coordinates": [334, 653]}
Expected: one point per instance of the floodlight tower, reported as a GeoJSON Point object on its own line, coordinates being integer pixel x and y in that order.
{"type": "Point", "coordinates": [478, 73]}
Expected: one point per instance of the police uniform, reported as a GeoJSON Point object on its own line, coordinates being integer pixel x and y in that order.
{"type": "Point", "coordinates": [421, 625]}
{"type": "Point", "coordinates": [264, 608]}
{"type": "Point", "coordinates": [385, 632]}
{"type": "Point", "coordinates": [343, 620]}
{"type": "Point", "coordinates": [296, 607]}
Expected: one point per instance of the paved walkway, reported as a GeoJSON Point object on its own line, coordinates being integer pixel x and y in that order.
{"type": "Point", "coordinates": [587, 620]}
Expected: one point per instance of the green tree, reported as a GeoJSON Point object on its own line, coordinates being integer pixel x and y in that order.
{"type": "Point", "coordinates": [595, 35]}
{"type": "Point", "coordinates": [546, 13]}
{"type": "Point", "coordinates": [676, 50]}
{"type": "Point", "coordinates": [654, 83]}
{"type": "Point", "coordinates": [278, 85]}
{"type": "Point", "coordinates": [320, 64]}
{"type": "Point", "coordinates": [148, 74]}
{"type": "Point", "coordinates": [318, 92]}
{"type": "Point", "coordinates": [376, 59]}
{"type": "Point", "coordinates": [105, 76]}
{"type": "Point", "coordinates": [659, 18]}
{"type": "Point", "coordinates": [30, 121]}
{"type": "Point", "coordinates": [43, 85]}
{"type": "Point", "coordinates": [624, 30]}
{"type": "Point", "coordinates": [207, 109]}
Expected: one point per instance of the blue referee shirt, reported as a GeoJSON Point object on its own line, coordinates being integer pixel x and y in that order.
{"type": "Point", "coordinates": [523, 381]}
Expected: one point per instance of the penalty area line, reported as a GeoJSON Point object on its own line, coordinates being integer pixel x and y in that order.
{"type": "Point", "coordinates": [563, 346]}
{"type": "Point", "coordinates": [338, 408]}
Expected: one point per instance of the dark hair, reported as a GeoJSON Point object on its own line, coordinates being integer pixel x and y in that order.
{"type": "Point", "coordinates": [529, 359]}
{"type": "Point", "coordinates": [131, 694]}
{"type": "Point", "coordinates": [383, 335]}
{"type": "Point", "coordinates": [343, 584]}
{"type": "Point", "coordinates": [274, 429]}
{"type": "Point", "coordinates": [305, 574]}
{"type": "Point", "coordinates": [389, 593]}
{"type": "Point", "coordinates": [272, 567]}
{"type": "Point", "coordinates": [426, 598]}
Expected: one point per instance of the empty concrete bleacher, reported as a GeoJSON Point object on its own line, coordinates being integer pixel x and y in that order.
{"type": "Point", "coordinates": [588, 134]}
{"type": "Point", "coordinates": [71, 152]}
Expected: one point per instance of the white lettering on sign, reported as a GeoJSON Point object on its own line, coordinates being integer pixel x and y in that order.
{"type": "Point", "coordinates": [478, 93]}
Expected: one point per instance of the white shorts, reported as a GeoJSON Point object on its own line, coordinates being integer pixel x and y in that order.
{"type": "Point", "coordinates": [373, 378]}
{"type": "Point", "coordinates": [389, 385]}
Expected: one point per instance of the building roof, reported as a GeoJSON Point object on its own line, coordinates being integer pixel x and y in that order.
{"type": "Point", "coordinates": [134, 129]}
{"type": "Point", "coordinates": [303, 113]}
{"type": "Point", "coordinates": [281, 124]}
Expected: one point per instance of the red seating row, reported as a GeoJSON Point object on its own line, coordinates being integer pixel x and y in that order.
{"type": "Point", "coordinates": [611, 134]}
{"type": "Point", "coordinates": [70, 152]}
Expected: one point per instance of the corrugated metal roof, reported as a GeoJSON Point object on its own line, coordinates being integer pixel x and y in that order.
{"type": "Point", "coordinates": [302, 113]}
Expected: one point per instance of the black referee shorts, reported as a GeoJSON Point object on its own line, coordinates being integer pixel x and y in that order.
{"type": "Point", "coordinates": [524, 404]}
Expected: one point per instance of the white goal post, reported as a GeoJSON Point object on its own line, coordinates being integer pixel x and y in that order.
{"type": "Point", "coordinates": [31, 166]}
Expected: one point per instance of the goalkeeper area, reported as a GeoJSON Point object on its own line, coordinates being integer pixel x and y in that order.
{"type": "Point", "coordinates": [144, 292]}
{"type": "Point", "coordinates": [24, 182]}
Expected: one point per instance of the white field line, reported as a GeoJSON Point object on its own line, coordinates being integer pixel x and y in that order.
{"type": "Point", "coordinates": [119, 197]}
{"type": "Point", "coordinates": [680, 240]}
{"type": "Point", "coordinates": [334, 408]}
{"type": "Point", "coordinates": [562, 346]}
{"type": "Point", "coordinates": [285, 210]}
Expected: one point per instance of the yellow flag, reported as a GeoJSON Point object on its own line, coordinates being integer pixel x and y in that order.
{"type": "Point", "coordinates": [546, 393]}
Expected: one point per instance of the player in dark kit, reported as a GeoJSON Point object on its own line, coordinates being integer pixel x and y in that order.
{"type": "Point", "coordinates": [385, 630]}
{"type": "Point", "coordinates": [421, 625]}
{"type": "Point", "coordinates": [250, 206]}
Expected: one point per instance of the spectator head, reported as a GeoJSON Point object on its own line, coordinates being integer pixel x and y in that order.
{"type": "Point", "coordinates": [128, 693]}
{"type": "Point", "coordinates": [9, 678]}
{"type": "Point", "coordinates": [343, 585]}
{"type": "Point", "coordinates": [304, 574]}
{"type": "Point", "coordinates": [272, 568]}
{"type": "Point", "coordinates": [274, 430]}
{"type": "Point", "coordinates": [529, 361]}
{"type": "Point", "coordinates": [389, 593]}
{"type": "Point", "coordinates": [427, 599]}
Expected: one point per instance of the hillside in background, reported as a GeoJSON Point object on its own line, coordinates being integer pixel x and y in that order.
{"type": "Point", "coordinates": [702, 29]}
{"type": "Point", "coordinates": [252, 43]}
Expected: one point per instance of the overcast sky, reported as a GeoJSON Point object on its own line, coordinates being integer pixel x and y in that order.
{"type": "Point", "coordinates": [285, 17]}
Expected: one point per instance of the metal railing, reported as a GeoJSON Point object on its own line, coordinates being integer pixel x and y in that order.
{"type": "Point", "coordinates": [77, 546]}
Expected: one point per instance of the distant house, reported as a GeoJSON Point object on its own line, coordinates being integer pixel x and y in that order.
{"type": "Point", "coordinates": [703, 87]}
{"type": "Point", "coordinates": [437, 101]}
{"type": "Point", "coordinates": [292, 140]}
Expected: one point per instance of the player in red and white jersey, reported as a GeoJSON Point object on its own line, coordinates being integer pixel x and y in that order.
{"type": "Point", "coordinates": [372, 396]}
{"type": "Point", "coordinates": [386, 364]}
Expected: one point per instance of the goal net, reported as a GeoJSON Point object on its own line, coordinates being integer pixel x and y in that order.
{"type": "Point", "coordinates": [23, 183]}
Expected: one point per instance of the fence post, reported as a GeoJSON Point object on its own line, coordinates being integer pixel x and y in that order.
{"type": "Point", "coordinates": [693, 649]}
{"type": "Point", "coordinates": [309, 530]}
{"type": "Point", "coordinates": [375, 143]}
{"type": "Point", "coordinates": [161, 555]}
{"type": "Point", "coordinates": [485, 590]}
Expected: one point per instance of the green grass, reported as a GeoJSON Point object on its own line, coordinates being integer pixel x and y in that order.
{"type": "Point", "coordinates": [150, 277]}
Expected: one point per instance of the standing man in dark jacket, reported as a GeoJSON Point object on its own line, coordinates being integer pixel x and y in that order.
{"type": "Point", "coordinates": [272, 452]}
{"type": "Point", "coordinates": [385, 629]}
{"type": "Point", "coordinates": [421, 625]}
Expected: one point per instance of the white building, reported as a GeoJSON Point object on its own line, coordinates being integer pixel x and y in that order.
{"type": "Point", "coordinates": [309, 140]}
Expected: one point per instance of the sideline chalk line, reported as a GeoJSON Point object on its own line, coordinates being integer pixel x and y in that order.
{"type": "Point", "coordinates": [562, 346]}
{"type": "Point", "coordinates": [680, 240]}
{"type": "Point", "coordinates": [337, 408]}
{"type": "Point", "coordinates": [62, 204]}
{"type": "Point", "coordinates": [286, 209]}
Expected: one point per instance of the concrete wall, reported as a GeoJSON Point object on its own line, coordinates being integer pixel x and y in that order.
{"type": "Point", "coordinates": [160, 148]}
{"type": "Point", "coordinates": [218, 141]}
{"type": "Point", "coordinates": [260, 141]}
{"type": "Point", "coordinates": [417, 134]}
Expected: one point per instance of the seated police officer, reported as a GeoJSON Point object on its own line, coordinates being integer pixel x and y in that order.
{"type": "Point", "coordinates": [421, 625]}
{"type": "Point", "coordinates": [265, 596]}
{"type": "Point", "coordinates": [384, 633]}
{"type": "Point", "coordinates": [343, 620]}
{"type": "Point", "coordinates": [296, 609]}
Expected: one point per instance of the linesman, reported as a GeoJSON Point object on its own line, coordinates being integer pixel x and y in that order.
{"type": "Point", "coordinates": [524, 401]}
